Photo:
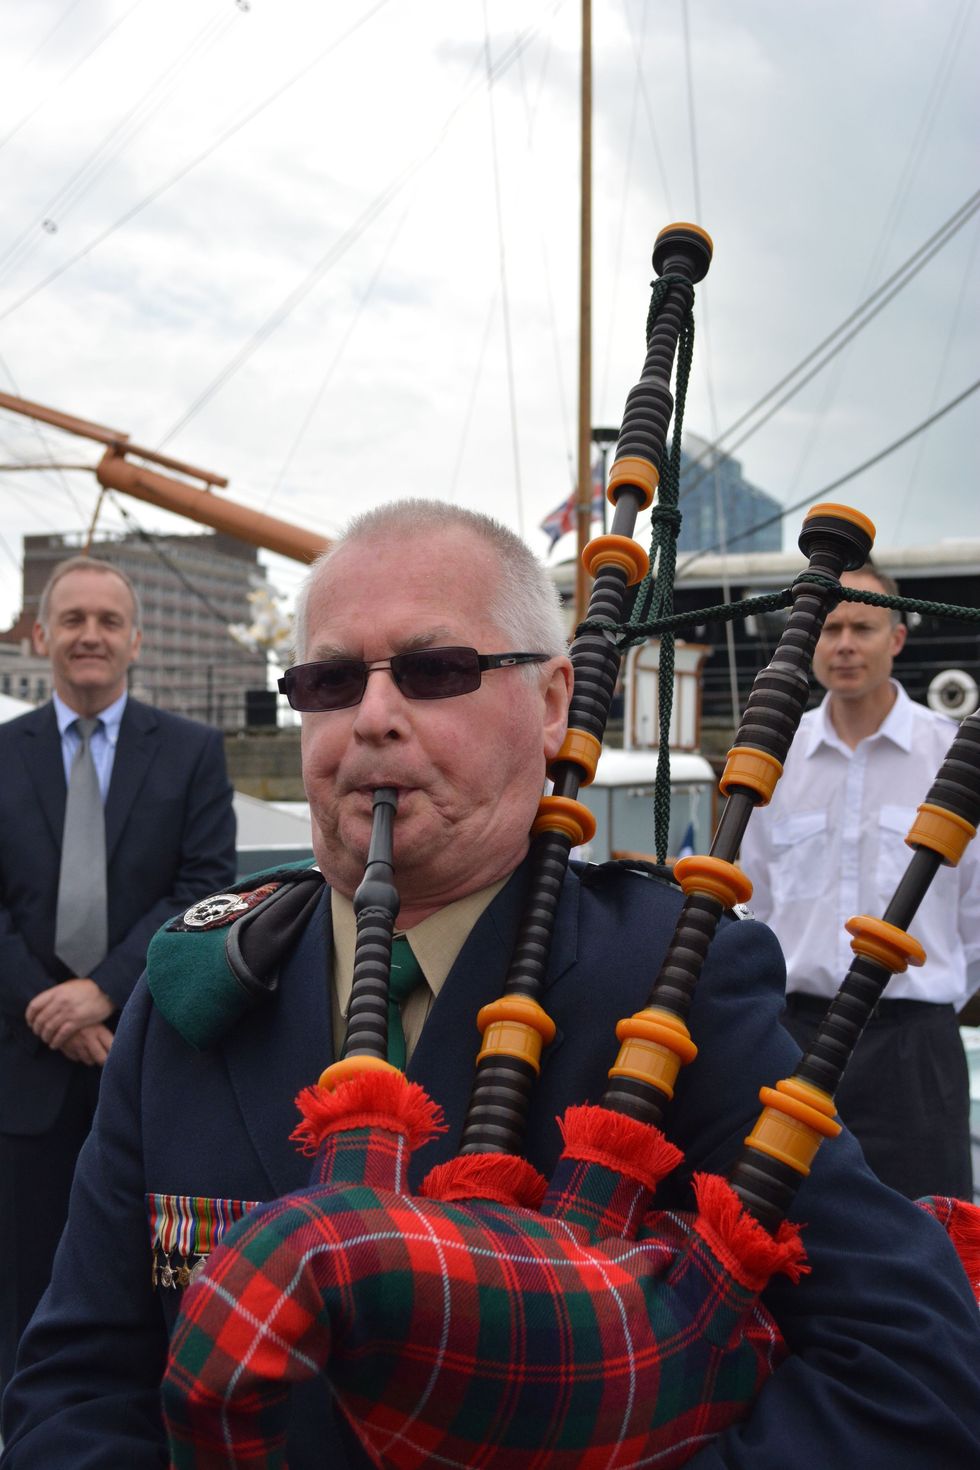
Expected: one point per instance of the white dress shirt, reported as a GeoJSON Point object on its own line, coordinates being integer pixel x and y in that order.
{"type": "Point", "coordinates": [830, 845]}
{"type": "Point", "coordinates": [102, 744]}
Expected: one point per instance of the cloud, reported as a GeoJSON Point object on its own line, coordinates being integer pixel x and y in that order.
{"type": "Point", "coordinates": [344, 246]}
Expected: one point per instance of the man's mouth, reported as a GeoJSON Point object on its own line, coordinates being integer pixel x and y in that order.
{"type": "Point", "coordinates": [368, 790]}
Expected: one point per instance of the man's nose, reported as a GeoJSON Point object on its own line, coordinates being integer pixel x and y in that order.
{"type": "Point", "coordinates": [383, 708]}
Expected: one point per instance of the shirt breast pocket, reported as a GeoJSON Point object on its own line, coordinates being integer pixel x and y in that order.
{"type": "Point", "coordinates": [894, 856]}
{"type": "Point", "coordinates": [798, 857]}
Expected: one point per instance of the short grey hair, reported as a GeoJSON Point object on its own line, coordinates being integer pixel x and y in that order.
{"type": "Point", "coordinates": [526, 606]}
{"type": "Point", "coordinates": [86, 564]}
{"type": "Point", "coordinates": [887, 584]}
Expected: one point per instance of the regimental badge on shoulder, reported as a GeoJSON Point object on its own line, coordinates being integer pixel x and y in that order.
{"type": "Point", "coordinates": [216, 910]}
{"type": "Point", "coordinates": [220, 909]}
{"type": "Point", "coordinates": [184, 1230]}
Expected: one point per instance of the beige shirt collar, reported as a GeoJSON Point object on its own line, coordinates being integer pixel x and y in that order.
{"type": "Point", "coordinates": [435, 943]}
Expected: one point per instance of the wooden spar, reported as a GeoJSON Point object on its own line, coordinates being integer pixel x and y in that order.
{"type": "Point", "coordinates": [114, 472]}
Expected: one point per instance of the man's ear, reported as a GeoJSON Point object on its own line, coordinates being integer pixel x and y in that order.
{"type": "Point", "coordinates": [557, 695]}
{"type": "Point", "coordinates": [899, 634]}
{"type": "Point", "coordinates": [40, 641]}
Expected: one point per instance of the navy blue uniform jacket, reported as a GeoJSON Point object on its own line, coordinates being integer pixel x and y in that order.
{"type": "Point", "coordinates": [170, 838]}
{"type": "Point", "coordinates": [885, 1334]}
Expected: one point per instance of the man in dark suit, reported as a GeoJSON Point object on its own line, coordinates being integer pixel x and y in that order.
{"type": "Point", "coordinates": [169, 837]}
{"type": "Point", "coordinates": [197, 1107]}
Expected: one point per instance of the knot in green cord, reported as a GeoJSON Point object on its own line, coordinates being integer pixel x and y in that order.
{"type": "Point", "coordinates": [669, 515]}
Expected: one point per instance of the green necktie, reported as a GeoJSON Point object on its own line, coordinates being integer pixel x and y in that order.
{"type": "Point", "coordinates": [406, 977]}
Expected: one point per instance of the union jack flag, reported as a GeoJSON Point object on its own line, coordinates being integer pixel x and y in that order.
{"type": "Point", "coordinates": [562, 519]}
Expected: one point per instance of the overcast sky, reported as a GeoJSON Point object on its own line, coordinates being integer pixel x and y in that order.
{"type": "Point", "coordinates": [293, 242]}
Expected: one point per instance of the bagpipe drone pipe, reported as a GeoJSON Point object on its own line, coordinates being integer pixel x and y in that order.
{"type": "Point", "coordinates": [493, 1317]}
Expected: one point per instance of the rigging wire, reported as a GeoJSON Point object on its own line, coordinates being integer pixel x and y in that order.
{"type": "Point", "coordinates": [335, 360]}
{"type": "Point", "coordinates": [709, 376]}
{"type": "Point", "coordinates": [886, 235]}
{"type": "Point", "coordinates": [502, 259]}
{"type": "Point", "coordinates": [531, 113]}
{"type": "Point", "coordinates": [941, 373]}
{"type": "Point", "coordinates": [877, 301]}
{"type": "Point", "coordinates": [69, 73]}
{"type": "Point", "coordinates": [353, 233]}
{"type": "Point", "coordinates": [29, 500]}
{"type": "Point", "coordinates": [471, 404]}
{"type": "Point", "coordinates": [154, 543]}
{"type": "Point", "coordinates": [841, 479]}
{"type": "Point", "coordinates": [651, 123]}
{"type": "Point", "coordinates": [187, 168]}
{"type": "Point", "coordinates": [119, 137]}
{"type": "Point", "coordinates": [47, 37]}
{"type": "Point", "coordinates": [948, 57]}
{"type": "Point", "coordinates": [40, 435]}
{"type": "Point", "coordinates": [627, 174]}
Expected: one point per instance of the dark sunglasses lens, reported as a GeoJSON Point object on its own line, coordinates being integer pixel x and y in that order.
{"type": "Point", "coordinates": [334, 684]}
{"type": "Point", "coordinates": [437, 673]}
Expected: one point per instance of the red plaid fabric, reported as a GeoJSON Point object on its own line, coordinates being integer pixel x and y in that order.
{"type": "Point", "coordinates": [961, 1221]}
{"type": "Point", "coordinates": [469, 1334]}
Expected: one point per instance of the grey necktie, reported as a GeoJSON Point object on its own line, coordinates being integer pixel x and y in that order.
{"type": "Point", "coordinates": [81, 928]}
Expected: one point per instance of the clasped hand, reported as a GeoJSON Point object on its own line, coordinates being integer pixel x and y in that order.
{"type": "Point", "coordinates": [56, 1016]}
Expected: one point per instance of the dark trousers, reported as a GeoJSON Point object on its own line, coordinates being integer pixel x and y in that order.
{"type": "Point", "coordinates": [905, 1095]}
{"type": "Point", "coordinates": [35, 1181]}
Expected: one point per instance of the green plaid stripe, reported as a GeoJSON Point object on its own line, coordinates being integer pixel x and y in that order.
{"type": "Point", "coordinates": [455, 1335]}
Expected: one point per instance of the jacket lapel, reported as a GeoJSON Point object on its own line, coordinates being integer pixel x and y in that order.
{"type": "Point", "coordinates": [444, 1062]}
{"type": "Point", "coordinates": [41, 747]}
{"type": "Point", "coordinates": [136, 748]}
{"type": "Point", "coordinates": [289, 1039]}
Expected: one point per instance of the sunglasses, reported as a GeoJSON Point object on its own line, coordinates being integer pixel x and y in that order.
{"type": "Point", "coordinates": [428, 673]}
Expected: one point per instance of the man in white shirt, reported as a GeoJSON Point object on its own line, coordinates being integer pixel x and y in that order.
{"type": "Point", "coordinates": [829, 846]}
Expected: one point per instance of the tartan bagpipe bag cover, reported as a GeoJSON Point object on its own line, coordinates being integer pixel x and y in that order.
{"type": "Point", "coordinates": [491, 1319]}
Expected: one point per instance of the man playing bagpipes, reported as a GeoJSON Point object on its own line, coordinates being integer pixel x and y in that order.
{"type": "Point", "coordinates": [414, 639]}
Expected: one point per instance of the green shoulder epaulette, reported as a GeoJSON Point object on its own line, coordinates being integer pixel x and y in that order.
{"type": "Point", "coordinates": [210, 964]}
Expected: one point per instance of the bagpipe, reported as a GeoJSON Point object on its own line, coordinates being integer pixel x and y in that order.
{"type": "Point", "coordinates": [494, 1317]}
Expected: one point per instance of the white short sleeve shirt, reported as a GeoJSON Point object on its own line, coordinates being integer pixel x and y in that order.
{"type": "Point", "coordinates": [831, 845]}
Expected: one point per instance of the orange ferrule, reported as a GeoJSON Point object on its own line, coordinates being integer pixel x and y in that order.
{"type": "Point", "coordinates": [639, 474]}
{"type": "Point", "coordinates": [580, 749]}
{"type": "Point", "coordinates": [349, 1067]}
{"type": "Point", "coordinates": [616, 551]}
{"type": "Point", "coordinates": [794, 1121]}
{"type": "Point", "coordinates": [942, 831]}
{"type": "Point", "coordinates": [752, 769]}
{"type": "Point", "coordinates": [683, 224]}
{"type": "Point", "coordinates": [654, 1045]}
{"type": "Point", "coordinates": [886, 944]}
{"type": "Point", "coordinates": [844, 513]}
{"type": "Point", "coordinates": [563, 814]}
{"type": "Point", "coordinates": [515, 1026]}
{"type": "Point", "coordinates": [715, 877]}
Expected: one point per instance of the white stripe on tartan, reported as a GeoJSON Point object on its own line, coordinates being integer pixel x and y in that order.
{"type": "Point", "coordinates": [264, 1330]}
{"type": "Point", "coordinates": [627, 1339]}
{"type": "Point", "coordinates": [447, 1303]}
